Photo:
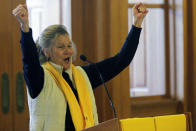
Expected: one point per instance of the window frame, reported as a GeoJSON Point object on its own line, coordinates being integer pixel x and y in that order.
{"type": "Point", "coordinates": [165, 6]}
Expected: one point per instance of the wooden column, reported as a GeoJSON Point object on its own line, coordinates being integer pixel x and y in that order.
{"type": "Point", "coordinates": [189, 60]}
{"type": "Point", "coordinates": [118, 32]}
{"type": "Point", "coordinates": [194, 65]}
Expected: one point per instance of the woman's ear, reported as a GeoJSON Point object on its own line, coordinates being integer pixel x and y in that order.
{"type": "Point", "coordinates": [46, 52]}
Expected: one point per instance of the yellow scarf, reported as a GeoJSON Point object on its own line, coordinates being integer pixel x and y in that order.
{"type": "Point", "coordinates": [82, 114]}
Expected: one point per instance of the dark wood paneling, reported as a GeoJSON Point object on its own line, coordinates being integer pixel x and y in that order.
{"type": "Point", "coordinates": [189, 61]}
{"type": "Point", "coordinates": [19, 117]}
{"type": "Point", "coordinates": [6, 120]}
{"type": "Point", "coordinates": [194, 43]}
{"type": "Point", "coordinates": [11, 63]}
{"type": "Point", "coordinates": [193, 88]}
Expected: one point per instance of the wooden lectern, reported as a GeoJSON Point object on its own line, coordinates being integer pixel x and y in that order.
{"type": "Point", "coordinates": [180, 122]}
{"type": "Point", "coordinates": [110, 125]}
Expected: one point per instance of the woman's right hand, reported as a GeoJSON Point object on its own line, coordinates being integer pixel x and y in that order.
{"type": "Point", "coordinates": [139, 13]}
{"type": "Point", "coordinates": [21, 13]}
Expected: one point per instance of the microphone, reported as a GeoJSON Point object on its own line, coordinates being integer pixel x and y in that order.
{"type": "Point", "coordinates": [84, 58]}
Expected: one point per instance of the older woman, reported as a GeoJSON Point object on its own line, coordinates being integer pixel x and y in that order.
{"type": "Point", "coordinates": [60, 95]}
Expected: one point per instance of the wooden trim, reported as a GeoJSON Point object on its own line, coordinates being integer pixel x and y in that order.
{"type": "Point", "coordinates": [185, 55]}
{"type": "Point", "coordinates": [155, 107]}
{"type": "Point", "coordinates": [193, 88]}
{"type": "Point", "coordinates": [167, 51]}
{"type": "Point", "coordinates": [150, 5]}
{"type": "Point", "coordinates": [155, 102]}
{"type": "Point", "coordinates": [109, 125]}
{"type": "Point", "coordinates": [189, 121]}
{"type": "Point", "coordinates": [194, 20]}
{"type": "Point", "coordinates": [188, 57]}
{"type": "Point", "coordinates": [194, 59]}
{"type": "Point", "coordinates": [147, 98]}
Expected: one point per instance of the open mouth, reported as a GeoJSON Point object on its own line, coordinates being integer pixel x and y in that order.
{"type": "Point", "coordinates": [67, 60]}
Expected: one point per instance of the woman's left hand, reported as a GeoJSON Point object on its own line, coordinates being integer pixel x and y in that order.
{"type": "Point", "coordinates": [139, 13]}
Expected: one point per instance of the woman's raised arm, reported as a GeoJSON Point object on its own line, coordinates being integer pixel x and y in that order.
{"type": "Point", "coordinates": [33, 72]}
{"type": "Point", "coordinates": [21, 13]}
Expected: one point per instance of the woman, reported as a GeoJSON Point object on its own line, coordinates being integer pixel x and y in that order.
{"type": "Point", "coordinates": [60, 95]}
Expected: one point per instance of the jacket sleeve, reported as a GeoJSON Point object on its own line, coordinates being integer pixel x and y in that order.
{"type": "Point", "coordinates": [33, 72]}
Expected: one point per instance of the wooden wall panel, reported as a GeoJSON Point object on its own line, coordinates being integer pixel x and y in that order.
{"type": "Point", "coordinates": [102, 28]}
{"type": "Point", "coordinates": [118, 32]}
{"type": "Point", "coordinates": [189, 60]}
{"type": "Point", "coordinates": [155, 107]}
{"type": "Point", "coordinates": [194, 43]}
{"type": "Point", "coordinates": [194, 66]}
{"type": "Point", "coordinates": [19, 117]}
{"type": "Point", "coordinates": [6, 123]}
{"type": "Point", "coordinates": [11, 63]}
{"type": "Point", "coordinates": [104, 21]}
{"type": "Point", "coordinates": [102, 51]}
{"type": "Point", "coordinates": [77, 27]}
{"type": "Point", "coordinates": [188, 56]}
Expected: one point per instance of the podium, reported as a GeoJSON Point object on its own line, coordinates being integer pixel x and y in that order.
{"type": "Point", "coordinates": [179, 122]}
{"type": "Point", "coordinates": [110, 125]}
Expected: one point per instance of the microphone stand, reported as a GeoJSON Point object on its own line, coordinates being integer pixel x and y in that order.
{"type": "Point", "coordinates": [84, 58]}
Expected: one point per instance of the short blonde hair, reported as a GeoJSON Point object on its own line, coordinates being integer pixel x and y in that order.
{"type": "Point", "coordinates": [47, 38]}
